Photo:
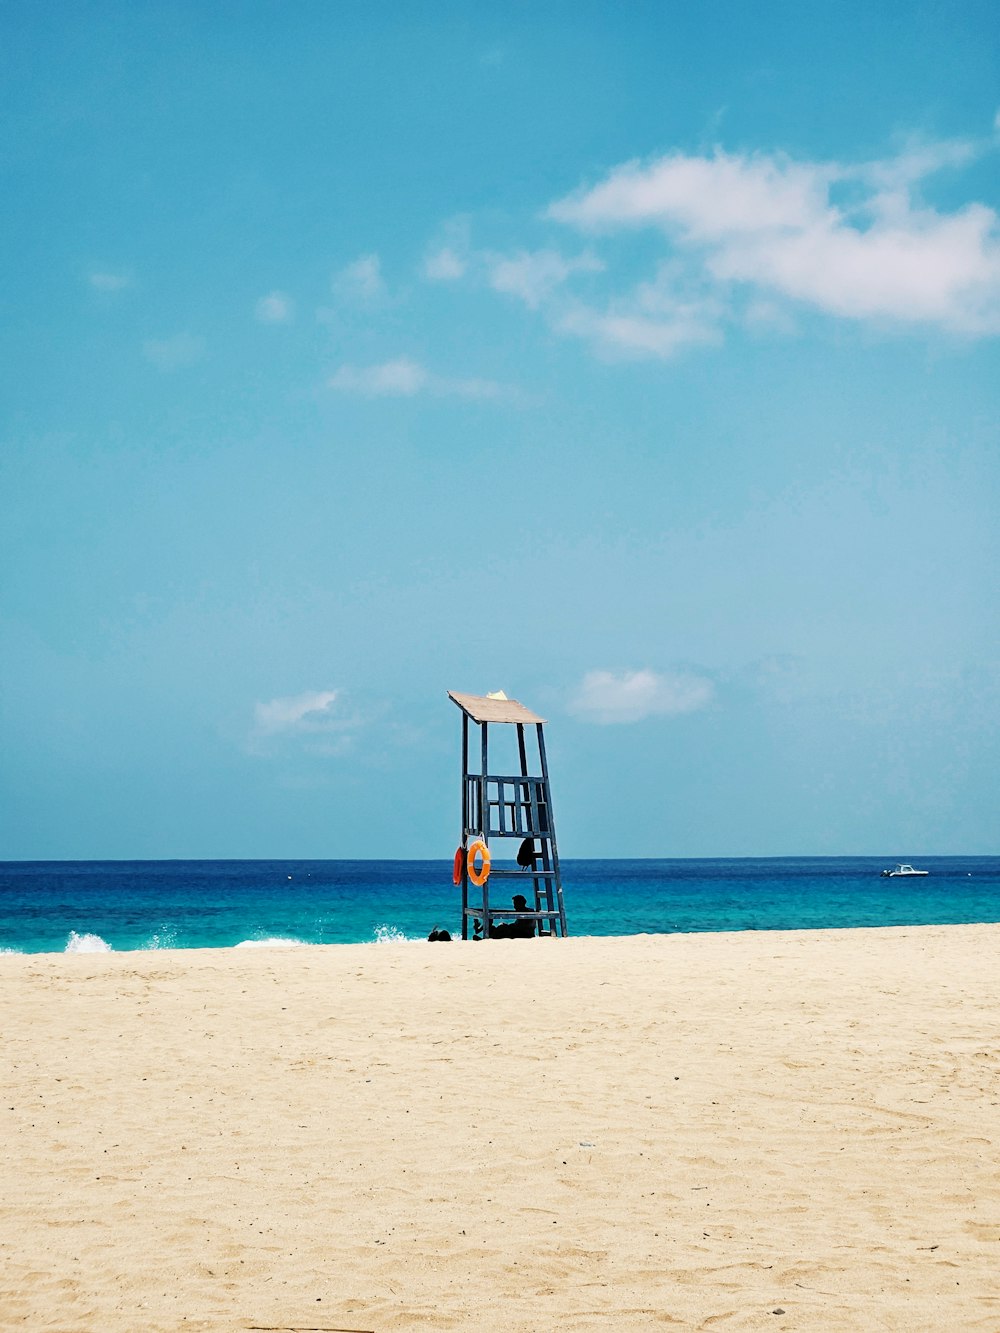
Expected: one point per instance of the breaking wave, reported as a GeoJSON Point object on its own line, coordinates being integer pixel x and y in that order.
{"type": "Point", "coordinates": [86, 944]}
{"type": "Point", "coordinates": [388, 934]}
{"type": "Point", "coordinates": [165, 938]}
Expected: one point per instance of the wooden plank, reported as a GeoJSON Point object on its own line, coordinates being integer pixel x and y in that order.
{"type": "Point", "coordinates": [481, 709]}
{"type": "Point", "coordinates": [503, 911]}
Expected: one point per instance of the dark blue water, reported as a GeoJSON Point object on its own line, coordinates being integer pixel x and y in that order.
{"type": "Point", "coordinates": [52, 906]}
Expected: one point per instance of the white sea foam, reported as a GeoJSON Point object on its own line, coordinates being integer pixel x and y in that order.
{"type": "Point", "coordinates": [6, 950]}
{"type": "Point", "coordinates": [86, 944]}
{"type": "Point", "coordinates": [272, 942]}
{"type": "Point", "coordinates": [388, 934]}
{"type": "Point", "coordinates": [166, 938]}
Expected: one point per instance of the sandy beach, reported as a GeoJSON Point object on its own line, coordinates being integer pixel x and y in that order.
{"type": "Point", "coordinates": [754, 1131]}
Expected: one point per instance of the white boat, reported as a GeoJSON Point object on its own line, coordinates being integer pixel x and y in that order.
{"type": "Point", "coordinates": [902, 869]}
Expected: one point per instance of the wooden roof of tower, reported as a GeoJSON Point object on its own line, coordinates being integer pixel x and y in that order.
{"type": "Point", "coordinates": [482, 709]}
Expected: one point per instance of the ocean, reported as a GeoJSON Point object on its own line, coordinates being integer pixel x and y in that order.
{"type": "Point", "coordinates": [86, 906]}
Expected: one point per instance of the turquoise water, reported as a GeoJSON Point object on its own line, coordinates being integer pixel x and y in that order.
{"type": "Point", "coordinates": [93, 905]}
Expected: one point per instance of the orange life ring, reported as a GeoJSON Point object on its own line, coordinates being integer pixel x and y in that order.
{"type": "Point", "coordinates": [478, 877]}
{"type": "Point", "coordinates": [456, 874]}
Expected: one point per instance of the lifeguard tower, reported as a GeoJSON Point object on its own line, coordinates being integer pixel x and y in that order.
{"type": "Point", "coordinates": [506, 806]}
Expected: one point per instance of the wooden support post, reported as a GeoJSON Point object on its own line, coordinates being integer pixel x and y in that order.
{"type": "Point", "coordinates": [552, 828]}
{"type": "Point", "coordinates": [465, 824]}
{"type": "Point", "coordinates": [525, 792]}
{"type": "Point", "coordinates": [484, 829]}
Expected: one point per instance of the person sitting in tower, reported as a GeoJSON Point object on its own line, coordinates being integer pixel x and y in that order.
{"type": "Point", "coordinates": [522, 928]}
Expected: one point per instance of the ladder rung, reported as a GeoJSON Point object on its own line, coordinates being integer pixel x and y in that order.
{"type": "Point", "coordinates": [522, 874]}
{"type": "Point", "coordinates": [545, 913]}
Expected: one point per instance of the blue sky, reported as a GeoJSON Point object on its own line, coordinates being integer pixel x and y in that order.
{"type": "Point", "coordinates": [638, 360]}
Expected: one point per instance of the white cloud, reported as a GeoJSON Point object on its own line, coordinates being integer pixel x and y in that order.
{"type": "Point", "coordinates": [656, 319]}
{"type": "Point", "coordinates": [928, 268]}
{"type": "Point", "coordinates": [298, 712]}
{"type": "Point", "coordinates": [275, 308]}
{"type": "Point", "coordinates": [399, 378]}
{"type": "Point", "coordinates": [709, 197]}
{"type": "Point", "coordinates": [308, 720]}
{"type": "Point", "coordinates": [852, 241]}
{"type": "Point", "coordinates": [468, 388]}
{"type": "Point", "coordinates": [919, 158]}
{"type": "Point", "coordinates": [404, 378]}
{"type": "Point", "coordinates": [103, 280]}
{"type": "Point", "coordinates": [764, 314]}
{"type": "Point", "coordinates": [533, 276]}
{"type": "Point", "coordinates": [183, 349]}
{"type": "Point", "coordinates": [605, 698]}
{"type": "Point", "coordinates": [361, 281]}
{"type": "Point", "coordinates": [633, 335]}
{"type": "Point", "coordinates": [444, 265]}
{"type": "Point", "coordinates": [451, 255]}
